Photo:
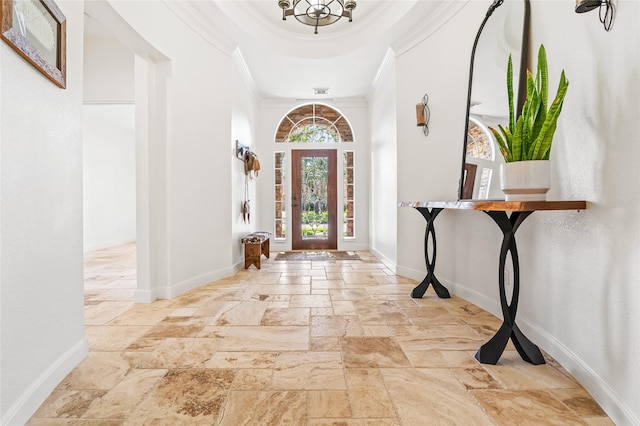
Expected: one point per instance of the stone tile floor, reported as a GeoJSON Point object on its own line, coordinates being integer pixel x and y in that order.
{"type": "Point", "coordinates": [299, 343]}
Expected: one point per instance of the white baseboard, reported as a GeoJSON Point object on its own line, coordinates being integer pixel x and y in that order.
{"type": "Point", "coordinates": [240, 263]}
{"type": "Point", "coordinates": [180, 288]}
{"type": "Point", "coordinates": [169, 292]}
{"type": "Point", "coordinates": [108, 244]}
{"type": "Point", "coordinates": [414, 274]}
{"type": "Point", "coordinates": [352, 246]}
{"type": "Point", "coordinates": [22, 410]}
{"type": "Point", "coordinates": [479, 299]}
{"type": "Point", "coordinates": [384, 259]}
{"type": "Point", "coordinates": [144, 296]}
{"type": "Point", "coordinates": [601, 392]}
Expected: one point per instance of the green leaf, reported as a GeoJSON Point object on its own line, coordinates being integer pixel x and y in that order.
{"type": "Point", "coordinates": [535, 123]}
{"type": "Point", "coordinates": [542, 144]}
{"type": "Point", "coordinates": [516, 148]}
{"type": "Point", "coordinates": [504, 148]}
{"type": "Point", "coordinates": [543, 76]}
{"type": "Point", "coordinates": [510, 93]}
{"type": "Point", "coordinates": [542, 89]}
{"type": "Point", "coordinates": [530, 137]}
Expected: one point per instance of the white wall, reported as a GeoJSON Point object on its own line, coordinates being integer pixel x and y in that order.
{"type": "Point", "coordinates": [40, 226]}
{"type": "Point", "coordinates": [356, 112]}
{"type": "Point", "coordinates": [383, 212]}
{"type": "Point", "coordinates": [109, 145]}
{"type": "Point", "coordinates": [579, 271]}
{"type": "Point", "coordinates": [244, 123]}
{"type": "Point", "coordinates": [108, 71]}
{"type": "Point", "coordinates": [189, 195]}
{"type": "Point", "coordinates": [109, 175]}
{"type": "Point", "coordinates": [429, 168]}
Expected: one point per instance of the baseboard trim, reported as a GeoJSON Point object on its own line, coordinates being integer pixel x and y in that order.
{"type": "Point", "coordinates": [601, 392]}
{"type": "Point", "coordinates": [170, 292]}
{"type": "Point", "coordinates": [108, 244]}
{"type": "Point", "coordinates": [182, 287]}
{"type": "Point", "coordinates": [22, 410]}
{"type": "Point", "coordinates": [144, 296]}
{"type": "Point", "coordinates": [414, 274]}
{"type": "Point", "coordinates": [351, 246]}
{"type": "Point", "coordinates": [384, 259]}
{"type": "Point", "coordinates": [239, 265]}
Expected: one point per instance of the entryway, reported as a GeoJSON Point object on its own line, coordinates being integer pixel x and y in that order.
{"type": "Point", "coordinates": [314, 199]}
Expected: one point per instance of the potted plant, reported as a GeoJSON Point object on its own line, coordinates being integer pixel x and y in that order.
{"type": "Point", "coordinates": [526, 142]}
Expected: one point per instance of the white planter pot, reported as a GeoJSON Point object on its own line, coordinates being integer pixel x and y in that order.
{"type": "Point", "coordinates": [526, 180]}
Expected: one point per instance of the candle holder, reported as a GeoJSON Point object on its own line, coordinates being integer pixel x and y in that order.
{"type": "Point", "coordinates": [423, 114]}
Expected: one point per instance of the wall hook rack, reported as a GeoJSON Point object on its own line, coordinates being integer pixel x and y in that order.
{"type": "Point", "coordinates": [241, 151]}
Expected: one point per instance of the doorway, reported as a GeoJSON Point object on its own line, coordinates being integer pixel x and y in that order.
{"type": "Point", "coordinates": [314, 200]}
{"type": "Point", "coordinates": [142, 82]}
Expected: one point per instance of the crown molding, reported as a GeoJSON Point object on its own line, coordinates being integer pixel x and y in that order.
{"type": "Point", "coordinates": [387, 64]}
{"type": "Point", "coordinates": [187, 13]}
{"type": "Point", "coordinates": [246, 75]}
{"type": "Point", "coordinates": [332, 41]}
{"type": "Point", "coordinates": [289, 103]}
{"type": "Point", "coordinates": [428, 27]}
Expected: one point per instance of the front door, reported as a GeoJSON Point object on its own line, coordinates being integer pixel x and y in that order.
{"type": "Point", "coordinates": [314, 199]}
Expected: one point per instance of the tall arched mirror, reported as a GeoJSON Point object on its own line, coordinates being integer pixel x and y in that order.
{"type": "Point", "coordinates": [503, 32]}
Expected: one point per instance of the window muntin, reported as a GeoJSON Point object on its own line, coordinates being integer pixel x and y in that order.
{"type": "Point", "coordinates": [302, 120]}
{"type": "Point", "coordinates": [348, 195]}
{"type": "Point", "coordinates": [316, 124]}
{"type": "Point", "coordinates": [280, 197]}
{"type": "Point", "coordinates": [481, 150]}
{"type": "Point", "coordinates": [479, 141]}
{"type": "Point", "coordinates": [310, 131]}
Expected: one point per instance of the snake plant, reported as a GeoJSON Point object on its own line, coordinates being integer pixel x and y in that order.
{"type": "Point", "coordinates": [530, 137]}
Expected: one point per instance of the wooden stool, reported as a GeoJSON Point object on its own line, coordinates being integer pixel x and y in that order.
{"type": "Point", "coordinates": [255, 245]}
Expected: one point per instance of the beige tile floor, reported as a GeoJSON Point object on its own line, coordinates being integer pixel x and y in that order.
{"type": "Point", "coordinates": [299, 343]}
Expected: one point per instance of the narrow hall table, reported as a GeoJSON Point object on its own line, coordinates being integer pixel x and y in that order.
{"type": "Point", "coordinates": [508, 215]}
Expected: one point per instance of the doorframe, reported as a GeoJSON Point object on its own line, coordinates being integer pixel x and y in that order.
{"type": "Point", "coordinates": [331, 242]}
{"type": "Point", "coordinates": [152, 72]}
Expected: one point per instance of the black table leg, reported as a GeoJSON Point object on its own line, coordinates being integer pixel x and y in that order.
{"type": "Point", "coordinates": [430, 279]}
{"type": "Point", "coordinates": [490, 352]}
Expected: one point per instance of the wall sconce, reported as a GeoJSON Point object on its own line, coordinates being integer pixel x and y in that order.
{"type": "Point", "coordinates": [423, 114]}
{"type": "Point", "coordinates": [606, 10]}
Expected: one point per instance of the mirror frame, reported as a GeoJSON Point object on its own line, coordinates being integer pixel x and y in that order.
{"type": "Point", "coordinates": [522, 80]}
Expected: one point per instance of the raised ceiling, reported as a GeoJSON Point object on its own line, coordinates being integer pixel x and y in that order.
{"type": "Point", "coordinates": [286, 60]}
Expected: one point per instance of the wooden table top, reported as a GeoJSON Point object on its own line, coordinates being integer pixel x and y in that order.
{"type": "Point", "coordinates": [498, 205]}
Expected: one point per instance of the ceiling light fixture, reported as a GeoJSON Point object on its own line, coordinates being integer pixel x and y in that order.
{"type": "Point", "coordinates": [317, 13]}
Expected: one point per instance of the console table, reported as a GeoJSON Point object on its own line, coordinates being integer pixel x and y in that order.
{"type": "Point", "coordinates": [508, 215]}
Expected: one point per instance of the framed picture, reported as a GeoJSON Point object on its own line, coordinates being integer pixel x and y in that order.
{"type": "Point", "coordinates": [36, 29]}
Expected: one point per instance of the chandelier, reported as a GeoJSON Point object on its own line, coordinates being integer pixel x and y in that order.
{"type": "Point", "coordinates": [317, 13]}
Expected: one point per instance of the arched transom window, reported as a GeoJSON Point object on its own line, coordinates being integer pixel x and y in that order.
{"type": "Point", "coordinates": [320, 124]}
{"type": "Point", "coordinates": [479, 141]}
{"type": "Point", "coordinates": [314, 123]}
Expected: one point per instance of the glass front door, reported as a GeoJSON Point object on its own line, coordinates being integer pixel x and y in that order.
{"type": "Point", "coordinates": [314, 199]}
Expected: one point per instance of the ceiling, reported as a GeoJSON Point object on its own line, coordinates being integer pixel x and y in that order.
{"type": "Point", "coordinates": [287, 60]}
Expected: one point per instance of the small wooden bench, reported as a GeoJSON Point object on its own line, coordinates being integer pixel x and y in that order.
{"type": "Point", "coordinates": [255, 245]}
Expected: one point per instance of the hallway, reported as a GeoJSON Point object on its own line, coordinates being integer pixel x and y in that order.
{"type": "Point", "coordinates": [301, 343]}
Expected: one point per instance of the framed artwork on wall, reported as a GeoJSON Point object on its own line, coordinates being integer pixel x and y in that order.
{"type": "Point", "coordinates": [36, 29]}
